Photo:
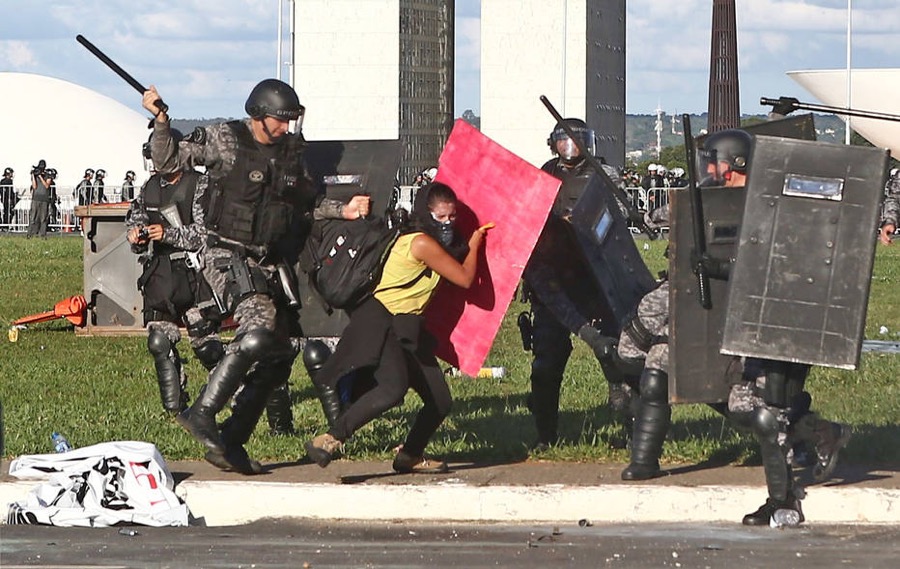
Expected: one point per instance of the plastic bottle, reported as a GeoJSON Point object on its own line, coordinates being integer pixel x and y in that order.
{"type": "Point", "coordinates": [496, 372]}
{"type": "Point", "coordinates": [60, 444]}
{"type": "Point", "coordinates": [785, 518]}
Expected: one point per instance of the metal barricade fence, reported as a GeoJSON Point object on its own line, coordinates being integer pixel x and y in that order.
{"type": "Point", "coordinates": [17, 203]}
{"type": "Point", "coordinates": [646, 201]}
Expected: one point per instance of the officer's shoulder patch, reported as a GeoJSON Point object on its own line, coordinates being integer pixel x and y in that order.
{"type": "Point", "coordinates": [198, 136]}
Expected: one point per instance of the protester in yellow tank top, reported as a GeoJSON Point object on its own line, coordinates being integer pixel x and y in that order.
{"type": "Point", "coordinates": [386, 334]}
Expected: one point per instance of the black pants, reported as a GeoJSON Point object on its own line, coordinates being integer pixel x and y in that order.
{"type": "Point", "coordinates": [401, 354]}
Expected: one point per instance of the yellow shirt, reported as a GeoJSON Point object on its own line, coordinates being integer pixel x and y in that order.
{"type": "Point", "coordinates": [401, 269]}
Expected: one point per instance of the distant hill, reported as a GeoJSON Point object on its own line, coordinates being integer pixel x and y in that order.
{"type": "Point", "coordinates": [640, 130]}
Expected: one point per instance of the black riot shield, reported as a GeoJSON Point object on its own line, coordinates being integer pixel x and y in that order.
{"type": "Point", "coordinates": [800, 283]}
{"type": "Point", "coordinates": [342, 169]}
{"type": "Point", "coordinates": [802, 127]}
{"type": "Point", "coordinates": [607, 245]}
{"type": "Point", "coordinates": [698, 373]}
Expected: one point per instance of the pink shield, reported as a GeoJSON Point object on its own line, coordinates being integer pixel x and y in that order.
{"type": "Point", "coordinates": [493, 184]}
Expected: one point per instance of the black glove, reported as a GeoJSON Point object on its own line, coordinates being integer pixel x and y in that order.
{"type": "Point", "coordinates": [714, 267]}
{"type": "Point", "coordinates": [603, 346]}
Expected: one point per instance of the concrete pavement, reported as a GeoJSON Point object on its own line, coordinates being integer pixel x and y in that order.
{"type": "Point", "coordinates": [531, 491]}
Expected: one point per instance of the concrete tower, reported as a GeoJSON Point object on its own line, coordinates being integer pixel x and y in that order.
{"type": "Point", "coordinates": [724, 93]}
{"type": "Point", "coordinates": [572, 51]}
{"type": "Point", "coordinates": [382, 69]}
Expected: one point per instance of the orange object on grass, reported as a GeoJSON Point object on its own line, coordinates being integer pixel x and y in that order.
{"type": "Point", "coordinates": [72, 309]}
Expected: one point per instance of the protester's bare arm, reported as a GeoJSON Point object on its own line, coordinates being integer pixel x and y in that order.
{"type": "Point", "coordinates": [435, 257]}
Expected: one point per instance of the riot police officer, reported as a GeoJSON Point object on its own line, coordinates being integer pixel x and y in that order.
{"type": "Point", "coordinates": [258, 197]}
{"type": "Point", "coordinates": [162, 229]}
{"type": "Point", "coordinates": [7, 197]}
{"type": "Point", "coordinates": [890, 210]}
{"type": "Point", "coordinates": [128, 186]}
{"type": "Point", "coordinates": [644, 340]}
{"type": "Point", "coordinates": [84, 189]}
{"type": "Point", "coordinates": [98, 195]}
{"type": "Point", "coordinates": [769, 400]}
{"type": "Point", "coordinates": [555, 312]}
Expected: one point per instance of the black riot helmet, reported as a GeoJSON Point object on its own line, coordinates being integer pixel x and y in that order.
{"type": "Point", "coordinates": [89, 173]}
{"type": "Point", "coordinates": [145, 148]}
{"type": "Point", "coordinates": [568, 152]}
{"type": "Point", "coordinates": [274, 98]}
{"type": "Point", "coordinates": [100, 173]}
{"type": "Point", "coordinates": [51, 173]}
{"type": "Point", "coordinates": [129, 175]}
{"type": "Point", "coordinates": [8, 172]}
{"type": "Point", "coordinates": [730, 147]}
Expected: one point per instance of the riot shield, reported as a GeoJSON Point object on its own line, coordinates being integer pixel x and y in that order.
{"type": "Point", "coordinates": [601, 233]}
{"type": "Point", "coordinates": [800, 283]}
{"type": "Point", "coordinates": [342, 169]}
{"type": "Point", "coordinates": [802, 127]}
{"type": "Point", "coordinates": [698, 373]}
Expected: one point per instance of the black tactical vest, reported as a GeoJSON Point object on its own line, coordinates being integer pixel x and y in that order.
{"type": "Point", "coordinates": [157, 197]}
{"type": "Point", "coordinates": [256, 201]}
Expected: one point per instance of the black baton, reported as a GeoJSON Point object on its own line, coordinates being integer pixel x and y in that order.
{"type": "Point", "coordinates": [119, 71]}
{"type": "Point", "coordinates": [697, 214]}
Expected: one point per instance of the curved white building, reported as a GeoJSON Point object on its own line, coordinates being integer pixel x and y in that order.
{"type": "Point", "coordinates": [871, 90]}
{"type": "Point", "coordinates": [69, 126]}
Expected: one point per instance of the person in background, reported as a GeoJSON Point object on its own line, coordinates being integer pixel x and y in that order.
{"type": "Point", "coordinates": [39, 215]}
{"type": "Point", "coordinates": [128, 186]}
{"type": "Point", "coordinates": [8, 198]}
{"type": "Point", "coordinates": [98, 195]}
{"type": "Point", "coordinates": [890, 210]}
{"type": "Point", "coordinates": [85, 188]}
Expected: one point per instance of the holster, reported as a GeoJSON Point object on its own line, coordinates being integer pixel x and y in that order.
{"type": "Point", "coordinates": [242, 279]}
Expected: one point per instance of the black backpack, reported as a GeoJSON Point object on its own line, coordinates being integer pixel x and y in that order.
{"type": "Point", "coordinates": [345, 258]}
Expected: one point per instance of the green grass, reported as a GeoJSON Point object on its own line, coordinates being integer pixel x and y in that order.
{"type": "Point", "coordinates": [96, 389]}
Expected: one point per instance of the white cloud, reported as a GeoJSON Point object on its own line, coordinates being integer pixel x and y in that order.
{"type": "Point", "coordinates": [16, 55]}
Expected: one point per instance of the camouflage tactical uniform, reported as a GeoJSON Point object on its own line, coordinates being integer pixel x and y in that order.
{"type": "Point", "coordinates": [890, 210]}
{"type": "Point", "coordinates": [163, 325]}
{"type": "Point", "coordinates": [262, 354]}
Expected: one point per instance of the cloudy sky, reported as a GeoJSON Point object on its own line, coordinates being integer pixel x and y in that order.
{"type": "Point", "coordinates": [205, 55]}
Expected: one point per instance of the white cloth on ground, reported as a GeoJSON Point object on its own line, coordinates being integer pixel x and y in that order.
{"type": "Point", "coordinates": [120, 482]}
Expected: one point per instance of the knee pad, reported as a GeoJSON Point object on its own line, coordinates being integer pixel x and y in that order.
{"type": "Point", "coordinates": [315, 354]}
{"type": "Point", "coordinates": [158, 343]}
{"type": "Point", "coordinates": [654, 386]}
{"type": "Point", "coordinates": [209, 353]}
{"type": "Point", "coordinates": [259, 343]}
{"type": "Point", "coordinates": [765, 423]}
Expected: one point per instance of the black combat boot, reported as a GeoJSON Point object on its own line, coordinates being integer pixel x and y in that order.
{"type": "Point", "coordinates": [763, 516]}
{"type": "Point", "coordinates": [651, 424]}
{"type": "Point", "coordinates": [200, 418]}
{"type": "Point", "coordinates": [279, 413]}
{"type": "Point", "coordinates": [543, 402]}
